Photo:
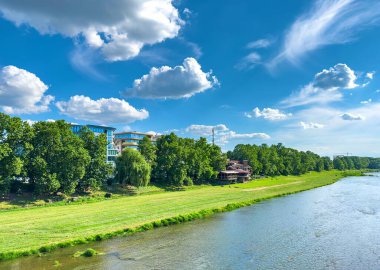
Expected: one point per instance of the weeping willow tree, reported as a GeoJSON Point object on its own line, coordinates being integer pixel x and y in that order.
{"type": "Point", "coordinates": [132, 168]}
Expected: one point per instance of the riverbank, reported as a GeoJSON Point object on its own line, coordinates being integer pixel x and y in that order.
{"type": "Point", "coordinates": [30, 231]}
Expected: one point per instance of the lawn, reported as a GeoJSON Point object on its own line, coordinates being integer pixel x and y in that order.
{"type": "Point", "coordinates": [27, 229]}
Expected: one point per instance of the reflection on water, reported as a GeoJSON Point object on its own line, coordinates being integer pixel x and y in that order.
{"type": "Point", "coordinates": [333, 227]}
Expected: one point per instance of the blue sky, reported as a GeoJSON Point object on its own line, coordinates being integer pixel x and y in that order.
{"type": "Point", "coordinates": [304, 73]}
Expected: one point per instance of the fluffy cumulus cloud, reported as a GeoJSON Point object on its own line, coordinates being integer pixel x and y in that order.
{"type": "Point", "coordinates": [325, 87]}
{"type": "Point", "coordinates": [223, 134]}
{"type": "Point", "coordinates": [173, 83]}
{"type": "Point", "coordinates": [117, 28]}
{"type": "Point", "coordinates": [268, 113]}
{"type": "Point", "coordinates": [351, 117]}
{"type": "Point", "coordinates": [22, 92]}
{"type": "Point", "coordinates": [101, 111]}
{"type": "Point", "coordinates": [339, 76]}
{"type": "Point", "coordinates": [310, 125]}
{"type": "Point", "coordinates": [328, 22]}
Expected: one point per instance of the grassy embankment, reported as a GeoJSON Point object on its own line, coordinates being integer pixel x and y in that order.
{"type": "Point", "coordinates": [27, 231]}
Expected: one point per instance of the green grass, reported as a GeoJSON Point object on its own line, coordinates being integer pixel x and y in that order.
{"type": "Point", "coordinates": [41, 229]}
{"type": "Point", "coordinates": [28, 200]}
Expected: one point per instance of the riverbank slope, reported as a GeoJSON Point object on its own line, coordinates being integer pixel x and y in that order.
{"type": "Point", "coordinates": [29, 231]}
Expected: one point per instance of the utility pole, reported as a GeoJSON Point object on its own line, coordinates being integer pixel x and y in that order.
{"type": "Point", "coordinates": [213, 136]}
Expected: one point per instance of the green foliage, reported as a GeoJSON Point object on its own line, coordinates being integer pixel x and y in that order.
{"type": "Point", "coordinates": [279, 160]}
{"type": "Point", "coordinates": [184, 161]}
{"type": "Point", "coordinates": [132, 168]}
{"type": "Point", "coordinates": [49, 157]}
{"type": "Point", "coordinates": [148, 150]}
{"type": "Point", "coordinates": [356, 163]}
{"type": "Point", "coordinates": [87, 253]}
{"type": "Point", "coordinates": [58, 156]}
{"type": "Point", "coordinates": [97, 170]}
{"type": "Point", "coordinates": [15, 145]}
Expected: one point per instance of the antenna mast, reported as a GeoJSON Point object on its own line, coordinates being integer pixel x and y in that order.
{"type": "Point", "coordinates": [213, 136]}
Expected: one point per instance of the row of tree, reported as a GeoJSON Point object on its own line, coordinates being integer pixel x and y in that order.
{"type": "Point", "coordinates": [280, 160]}
{"type": "Point", "coordinates": [48, 157]}
{"type": "Point", "coordinates": [171, 161]}
{"type": "Point", "coordinates": [356, 163]}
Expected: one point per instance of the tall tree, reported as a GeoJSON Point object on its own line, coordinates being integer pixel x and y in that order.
{"type": "Point", "coordinates": [148, 149]}
{"type": "Point", "coordinates": [132, 168]}
{"type": "Point", "coordinates": [97, 170]}
{"type": "Point", "coordinates": [15, 137]}
{"type": "Point", "coordinates": [58, 156]}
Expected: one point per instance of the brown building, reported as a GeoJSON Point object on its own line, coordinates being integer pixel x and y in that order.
{"type": "Point", "coordinates": [237, 165]}
{"type": "Point", "coordinates": [234, 176]}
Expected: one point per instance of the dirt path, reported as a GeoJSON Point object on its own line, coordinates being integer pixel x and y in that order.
{"type": "Point", "coordinates": [282, 185]}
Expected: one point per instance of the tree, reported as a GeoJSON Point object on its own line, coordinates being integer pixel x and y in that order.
{"type": "Point", "coordinates": [57, 156]}
{"type": "Point", "coordinates": [15, 136]}
{"type": "Point", "coordinates": [97, 170]}
{"type": "Point", "coordinates": [339, 164]}
{"type": "Point", "coordinates": [148, 150]}
{"type": "Point", "coordinates": [132, 168]}
{"type": "Point", "coordinates": [171, 166]}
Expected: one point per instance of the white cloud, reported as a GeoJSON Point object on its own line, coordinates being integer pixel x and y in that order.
{"type": "Point", "coordinates": [173, 83]}
{"type": "Point", "coordinates": [269, 114]}
{"type": "Point", "coordinates": [328, 22]}
{"type": "Point", "coordinates": [101, 111]}
{"type": "Point", "coordinates": [351, 117]}
{"type": "Point", "coordinates": [260, 43]}
{"type": "Point", "coordinates": [117, 28]}
{"type": "Point", "coordinates": [370, 75]}
{"type": "Point", "coordinates": [187, 12]}
{"type": "Point", "coordinates": [366, 101]}
{"type": "Point", "coordinates": [234, 135]}
{"type": "Point", "coordinates": [204, 130]}
{"type": "Point", "coordinates": [311, 125]}
{"type": "Point", "coordinates": [249, 61]}
{"type": "Point", "coordinates": [339, 76]}
{"type": "Point", "coordinates": [22, 92]}
{"type": "Point", "coordinates": [223, 134]}
{"type": "Point", "coordinates": [225, 137]}
{"type": "Point", "coordinates": [325, 87]}
{"type": "Point", "coordinates": [337, 136]}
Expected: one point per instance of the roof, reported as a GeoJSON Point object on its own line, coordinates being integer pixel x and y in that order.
{"type": "Point", "coordinates": [234, 171]}
{"type": "Point", "coordinates": [229, 172]}
{"type": "Point", "coordinates": [134, 132]}
{"type": "Point", "coordinates": [95, 126]}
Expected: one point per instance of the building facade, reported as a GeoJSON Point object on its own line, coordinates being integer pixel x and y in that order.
{"type": "Point", "coordinates": [130, 139]}
{"type": "Point", "coordinates": [112, 152]}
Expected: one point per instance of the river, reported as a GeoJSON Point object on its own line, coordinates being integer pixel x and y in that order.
{"type": "Point", "coordinates": [332, 227]}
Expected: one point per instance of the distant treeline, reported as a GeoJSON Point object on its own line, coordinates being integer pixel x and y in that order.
{"type": "Point", "coordinates": [280, 160]}
{"type": "Point", "coordinates": [356, 163]}
{"type": "Point", "coordinates": [48, 157]}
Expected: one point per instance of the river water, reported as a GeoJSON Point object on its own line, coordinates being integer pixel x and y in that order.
{"type": "Point", "coordinates": [332, 227]}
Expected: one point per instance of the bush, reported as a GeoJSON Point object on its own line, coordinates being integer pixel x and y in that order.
{"type": "Point", "coordinates": [87, 253]}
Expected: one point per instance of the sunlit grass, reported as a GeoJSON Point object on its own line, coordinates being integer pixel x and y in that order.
{"type": "Point", "coordinates": [23, 230]}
